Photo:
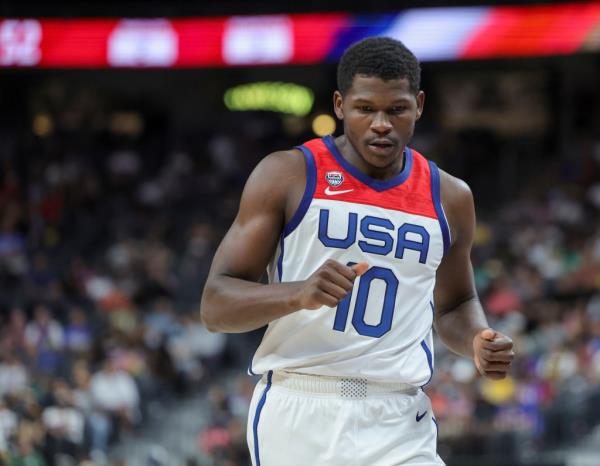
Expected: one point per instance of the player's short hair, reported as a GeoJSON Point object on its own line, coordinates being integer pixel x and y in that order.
{"type": "Point", "coordinates": [379, 57]}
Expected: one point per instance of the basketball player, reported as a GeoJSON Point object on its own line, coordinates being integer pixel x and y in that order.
{"type": "Point", "coordinates": [367, 245]}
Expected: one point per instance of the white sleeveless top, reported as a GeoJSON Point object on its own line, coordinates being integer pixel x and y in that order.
{"type": "Point", "coordinates": [383, 329]}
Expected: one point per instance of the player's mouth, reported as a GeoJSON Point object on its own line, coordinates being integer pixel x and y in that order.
{"type": "Point", "coordinates": [382, 146]}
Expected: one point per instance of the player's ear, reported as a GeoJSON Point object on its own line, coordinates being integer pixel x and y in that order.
{"type": "Point", "coordinates": [420, 103]}
{"type": "Point", "coordinates": [337, 104]}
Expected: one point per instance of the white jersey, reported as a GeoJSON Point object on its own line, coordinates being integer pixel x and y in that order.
{"type": "Point", "coordinates": [383, 329]}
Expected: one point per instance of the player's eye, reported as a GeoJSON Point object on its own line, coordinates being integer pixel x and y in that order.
{"type": "Point", "coordinates": [399, 109]}
{"type": "Point", "coordinates": [366, 108]}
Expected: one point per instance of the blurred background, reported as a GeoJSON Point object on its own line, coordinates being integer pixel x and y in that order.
{"type": "Point", "coordinates": [127, 132]}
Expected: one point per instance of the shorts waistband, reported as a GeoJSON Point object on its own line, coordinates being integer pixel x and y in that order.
{"type": "Point", "coordinates": [344, 387]}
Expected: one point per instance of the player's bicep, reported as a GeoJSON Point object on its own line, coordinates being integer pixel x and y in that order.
{"type": "Point", "coordinates": [252, 239]}
{"type": "Point", "coordinates": [454, 281]}
{"type": "Point", "coordinates": [247, 248]}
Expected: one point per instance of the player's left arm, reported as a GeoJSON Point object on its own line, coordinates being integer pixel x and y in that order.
{"type": "Point", "coordinates": [459, 317]}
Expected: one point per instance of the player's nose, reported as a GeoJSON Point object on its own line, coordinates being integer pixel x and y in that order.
{"type": "Point", "coordinates": [381, 123]}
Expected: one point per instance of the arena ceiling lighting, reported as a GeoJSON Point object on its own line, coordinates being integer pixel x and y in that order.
{"type": "Point", "coordinates": [323, 124]}
{"type": "Point", "coordinates": [449, 33]}
{"type": "Point", "coordinates": [274, 96]}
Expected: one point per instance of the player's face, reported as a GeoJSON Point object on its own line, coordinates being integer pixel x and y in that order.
{"type": "Point", "coordinates": [379, 119]}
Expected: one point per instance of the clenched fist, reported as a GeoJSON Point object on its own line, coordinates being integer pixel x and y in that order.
{"type": "Point", "coordinates": [493, 353]}
{"type": "Point", "coordinates": [328, 285]}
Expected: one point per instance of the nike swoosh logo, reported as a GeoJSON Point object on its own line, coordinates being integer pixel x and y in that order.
{"type": "Point", "coordinates": [418, 418]}
{"type": "Point", "coordinates": [329, 192]}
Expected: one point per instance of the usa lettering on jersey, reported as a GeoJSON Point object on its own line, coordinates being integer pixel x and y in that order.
{"type": "Point", "coordinates": [382, 329]}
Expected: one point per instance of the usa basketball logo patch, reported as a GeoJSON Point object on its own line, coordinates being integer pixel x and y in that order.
{"type": "Point", "coordinates": [334, 178]}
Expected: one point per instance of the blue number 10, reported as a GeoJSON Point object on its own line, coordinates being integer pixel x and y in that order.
{"type": "Point", "coordinates": [360, 306]}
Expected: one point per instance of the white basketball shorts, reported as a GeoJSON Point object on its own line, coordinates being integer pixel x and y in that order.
{"type": "Point", "coordinates": [305, 420]}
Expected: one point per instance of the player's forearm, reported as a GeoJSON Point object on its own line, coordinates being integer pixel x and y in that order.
{"type": "Point", "coordinates": [458, 326]}
{"type": "Point", "coordinates": [233, 305]}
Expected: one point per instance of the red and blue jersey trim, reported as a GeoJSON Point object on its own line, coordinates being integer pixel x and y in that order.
{"type": "Point", "coordinates": [309, 190]}
{"type": "Point", "coordinates": [437, 203]}
{"type": "Point", "coordinates": [409, 191]}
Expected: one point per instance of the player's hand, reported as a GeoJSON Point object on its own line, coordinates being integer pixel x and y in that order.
{"type": "Point", "coordinates": [328, 285]}
{"type": "Point", "coordinates": [493, 353]}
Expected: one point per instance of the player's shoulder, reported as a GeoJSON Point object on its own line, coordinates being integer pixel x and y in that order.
{"type": "Point", "coordinates": [277, 176]}
{"type": "Point", "coordinates": [457, 200]}
{"type": "Point", "coordinates": [455, 192]}
{"type": "Point", "coordinates": [280, 163]}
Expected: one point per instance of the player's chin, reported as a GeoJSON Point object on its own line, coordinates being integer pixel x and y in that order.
{"type": "Point", "coordinates": [495, 375]}
{"type": "Point", "coordinates": [382, 159]}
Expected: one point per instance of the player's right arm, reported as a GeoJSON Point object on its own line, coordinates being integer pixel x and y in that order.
{"type": "Point", "coordinates": [233, 299]}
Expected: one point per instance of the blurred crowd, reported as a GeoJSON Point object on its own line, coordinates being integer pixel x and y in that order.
{"type": "Point", "coordinates": [537, 270]}
{"type": "Point", "coordinates": [107, 229]}
{"type": "Point", "coordinates": [103, 251]}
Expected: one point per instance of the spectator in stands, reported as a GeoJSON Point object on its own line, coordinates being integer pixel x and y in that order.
{"type": "Point", "coordinates": [114, 392]}
{"type": "Point", "coordinates": [195, 351]}
{"type": "Point", "coordinates": [78, 333]}
{"type": "Point", "coordinates": [97, 421]}
{"type": "Point", "coordinates": [12, 333]}
{"type": "Point", "coordinates": [13, 260]}
{"type": "Point", "coordinates": [14, 376]}
{"type": "Point", "coordinates": [27, 452]}
{"type": "Point", "coordinates": [64, 423]}
{"type": "Point", "coordinates": [44, 340]}
{"type": "Point", "coordinates": [160, 323]}
{"type": "Point", "coordinates": [8, 427]}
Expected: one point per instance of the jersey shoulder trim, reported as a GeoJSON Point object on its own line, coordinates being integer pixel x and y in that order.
{"type": "Point", "coordinates": [408, 192]}
{"type": "Point", "coordinates": [437, 204]}
{"type": "Point", "coordinates": [309, 190]}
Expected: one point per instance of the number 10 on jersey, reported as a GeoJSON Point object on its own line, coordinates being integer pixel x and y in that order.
{"type": "Point", "coordinates": [360, 304]}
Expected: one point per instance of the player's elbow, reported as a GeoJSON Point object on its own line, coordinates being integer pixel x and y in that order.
{"type": "Point", "coordinates": [209, 321]}
{"type": "Point", "coordinates": [208, 314]}
{"type": "Point", "coordinates": [206, 320]}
